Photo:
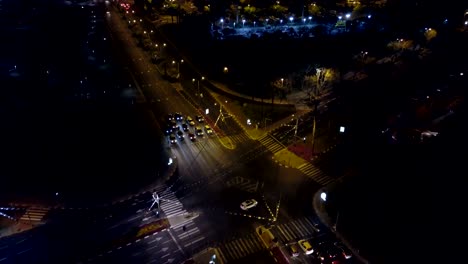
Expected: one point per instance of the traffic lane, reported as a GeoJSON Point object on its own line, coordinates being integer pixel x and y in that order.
{"type": "Point", "coordinates": [158, 248]}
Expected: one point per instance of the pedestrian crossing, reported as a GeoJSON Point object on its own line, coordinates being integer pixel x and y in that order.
{"type": "Point", "coordinates": [271, 143]}
{"type": "Point", "coordinates": [34, 214]}
{"type": "Point", "coordinates": [244, 184]}
{"type": "Point", "coordinates": [295, 230]}
{"type": "Point", "coordinates": [315, 174]}
{"type": "Point", "coordinates": [240, 138]}
{"type": "Point", "coordinates": [171, 205]}
{"type": "Point", "coordinates": [241, 247]}
{"type": "Point", "coordinates": [187, 233]}
{"type": "Point", "coordinates": [191, 238]}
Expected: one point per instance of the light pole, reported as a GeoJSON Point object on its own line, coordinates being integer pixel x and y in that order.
{"type": "Point", "coordinates": [178, 66]}
{"type": "Point", "coordinates": [243, 22]}
{"type": "Point", "coordinates": [222, 23]}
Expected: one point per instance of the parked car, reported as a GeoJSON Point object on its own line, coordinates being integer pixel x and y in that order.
{"type": "Point", "coordinates": [246, 205]}
{"type": "Point", "coordinates": [180, 135]}
{"type": "Point", "coordinates": [208, 130]}
{"type": "Point", "coordinates": [170, 117]}
{"type": "Point", "coordinates": [178, 116]}
{"type": "Point", "coordinates": [199, 131]}
{"type": "Point", "coordinates": [168, 130]}
{"type": "Point", "coordinates": [184, 127]}
{"type": "Point", "coordinates": [172, 139]}
{"type": "Point", "coordinates": [200, 119]}
{"type": "Point", "coordinates": [192, 136]}
{"type": "Point", "coordinates": [190, 121]}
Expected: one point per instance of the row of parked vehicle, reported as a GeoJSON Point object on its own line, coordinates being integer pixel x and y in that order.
{"type": "Point", "coordinates": [325, 250]}
{"type": "Point", "coordinates": [177, 125]}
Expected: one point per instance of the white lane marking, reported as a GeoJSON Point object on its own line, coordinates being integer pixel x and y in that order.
{"type": "Point", "coordinates": [20, 241]}
{"type": "Point", "coordinates": [175, 241]}
{"type": "Point", "coordinates": [3, 259]}
{"type": "Point", "coordinates": [23, 251]}
{"type": "Point", "coordinates": [133, 218]}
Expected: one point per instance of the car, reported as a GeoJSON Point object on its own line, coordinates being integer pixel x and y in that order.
{"type": "Point", "coordinates": [172, 139]}
{"type": "Point", "coordinates": [293, 250]}
{"type": "Point", "coordinates": [180, 135]}
{"type": "Point", "coordinates": [170, 117]}
{"type": "Point", "coordinates": [168, 130]}
{"type": "Point", "coordinates": [191, 136]}
{"type": "Point", "coordinates": [333, 252]}
{"type": "Point", "coordinates": [344, 251]}
{"type": "Point", "coordinates": [173, 124]}
{"type": "Point", "coordinates": [199, 131]}
{"type": "Point", "coordinates": [305, 246]}
{"type": "Point", "coordinates": [184, 127]}
{"type": "Point", "coordinates": [208, 130]}
{"type": "Point", "coordinates": [246, 205]}
{"type": "Point", "coordinates": [178, 116]}
{"type": "Point", "coordinates": [190, 121]}
{"type": "Point", "coordinates": [200, 119]}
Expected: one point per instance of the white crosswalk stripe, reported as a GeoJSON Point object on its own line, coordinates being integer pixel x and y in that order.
{"type": "Point", "coordinates": [34, 214]}
{"type": "Point", "coordinates": [239, 138]}
{"type": "Point", "coordinates": [245, 184]}
{"type": "Point", "coordinates": [295, 230]}
{"type": "Point", "coordinates": [315, 174]}
{"type": "Point", "coordinates": [271, 143]}
{"type": "Point", "coordinates": [240, 247]}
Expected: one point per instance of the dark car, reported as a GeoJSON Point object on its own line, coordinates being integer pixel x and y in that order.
{"type": "Point", "coordinates": [191, 136]}
{"type": "Point", "coordinates": [172, 139]}
{"type": "Point", "coordinates": [178, 116]}
{"type": "Point", "coordinates": [200, 119]}
{"type": "Point", "coordinates": [170, 117]}
{"type": "Point", "coordinates": [168, 130]}
{"type": "Point", "coordinates": [184, 127]}
{"type": "Point", "coordinates": [180, 135]}
{"type": "Point", "coordinates": [173, 124]}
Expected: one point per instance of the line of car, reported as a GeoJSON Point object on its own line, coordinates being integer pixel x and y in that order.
{"type": "Point", "coordinates": [177, 124]}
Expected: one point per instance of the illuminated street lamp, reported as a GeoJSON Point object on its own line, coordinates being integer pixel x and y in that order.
{"type": "Point", "coordinates": [348, 16]}
{"type": "Point", "coordinates": [255, 23]}
{"type": "Point", "coordinates": [222, 22]}
{"type": "Point", "coordinates": [291, 19]}
{"type": "Point", "coordinates": [225, 70]}
{"type": "Point", "coordinates": [243, 22]}
{"type": "Point", "coordinates": [323, 196]}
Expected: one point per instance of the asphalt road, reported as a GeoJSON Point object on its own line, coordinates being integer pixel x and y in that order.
{"type": "Point", "coordinates": [212, 179]}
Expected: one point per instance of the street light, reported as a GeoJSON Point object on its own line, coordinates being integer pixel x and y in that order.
{"type": "Point", "coordinates": [255, 23]}
{"type": "Point", "coordinates": [291, 19]}
{"type": "Point", "coordinates": [222, 22]}
{"type": "Point", "coordinates": [243, 22]}
{"type": "Point", "coordinates": [348, 16]}
{"type": "Point", "coordinates": [323, 196]}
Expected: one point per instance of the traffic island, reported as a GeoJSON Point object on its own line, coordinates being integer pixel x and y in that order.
{"type": "Point", "coordinates": [288, 159]}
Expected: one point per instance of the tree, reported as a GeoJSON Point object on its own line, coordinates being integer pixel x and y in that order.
{"type": "Point", "coordinates": [188, 7]}
{"type": "Point", "coordinates": [318, 83]}
{"type": "Point", "coordinates": [315, 10]}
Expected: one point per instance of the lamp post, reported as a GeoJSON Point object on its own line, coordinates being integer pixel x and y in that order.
{"type": "Point", "coordinates": [178, 65]}
{"type": "Point", "coordinates": [243, 22]}
{"type": "Point", "coordinates": [222, 23]}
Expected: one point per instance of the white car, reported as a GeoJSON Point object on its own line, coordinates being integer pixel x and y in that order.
{"type": "Point", "coordinates": [305, 246]}
{"type": "Point", "coordinates": [246, 205]}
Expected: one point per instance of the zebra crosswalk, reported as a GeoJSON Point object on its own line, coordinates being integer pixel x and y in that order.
{"type": "Point", "coordinates": [295, 230]}
{"type": "Point", "coordinates": [34, 214]}
{"type": "Point", "coordinates": [245, 184]}
{"type": "Point", "coordinates": [271, 143]}
{"type": "Point", "coordinates": [170, 204]}
{"type": "Point", "coordinates": [241, 247]}
{"type": "Point", "coordinates": [187, 233]}
{"type": "Point", "coordinates": [315, 174]}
